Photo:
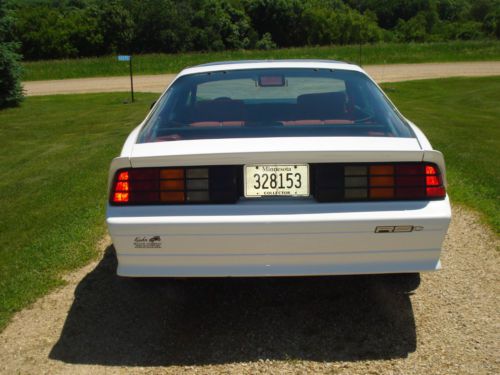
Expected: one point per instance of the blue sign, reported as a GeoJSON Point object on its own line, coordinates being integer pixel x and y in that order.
{"type": "Point", "coordinates": [123, 57]}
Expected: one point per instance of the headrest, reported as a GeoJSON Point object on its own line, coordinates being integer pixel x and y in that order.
{"type": "Point", "coordinates": [219, 110]}
{"type": "Point", "coordinates": [328, 105]}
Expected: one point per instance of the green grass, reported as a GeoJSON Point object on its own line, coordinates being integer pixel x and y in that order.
{"type": "Point", "coordinates": [164, 63]}
{"type": "Point", "coordinates": [55, 155]}
{"type": "Point", "coordinates": [461, 118]}
{"type": "Point", "coordinates": [56, 152]}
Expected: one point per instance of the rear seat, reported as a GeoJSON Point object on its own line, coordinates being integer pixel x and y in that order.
{"type": "Point", "coordinates": [271, 112]}
{"type": "Point", "coordinates": [324, 106]}
{"type": "Point", "coordinates": [327, 108]}
{"type": "Point", "coordinates": [218, 112]}
{"type": "Point", "coordinates": [311, 109]}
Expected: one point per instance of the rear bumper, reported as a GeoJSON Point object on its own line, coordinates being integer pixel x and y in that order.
{"type": "Point", "coordinates": [277, 238]}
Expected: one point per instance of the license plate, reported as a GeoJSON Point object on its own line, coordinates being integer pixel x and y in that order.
{"type": "Point", "coordinates": [277, 180]}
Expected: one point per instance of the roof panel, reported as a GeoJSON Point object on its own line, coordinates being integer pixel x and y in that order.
{"type": "Point", "coordinates": [263, 64]}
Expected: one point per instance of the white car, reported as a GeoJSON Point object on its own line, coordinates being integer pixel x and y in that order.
{"type": "Point", "coordinates": [276, 168]}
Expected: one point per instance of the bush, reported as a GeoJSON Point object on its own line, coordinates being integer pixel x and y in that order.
{"type": "Point", "coordinates": [11, 92]}
{"type": "Point", "coordinates": [413, 30]}
{"type": "Point", "coordinates": [491, 23]}
{"type": "Point", "coordinates": [46, 32]}
{"type": "Point", "coordinates": [280, 18]}
{"type": "Point", "coordinates": [468, 30]}
{"type": "Point", "coordinates": [53, 29]}
{"type": "Point", "coordinates": [325, 26]}
{"type": "Point", "coordinates": [219, 26]}
{"type": "Point", "coordinates": [266, 42]}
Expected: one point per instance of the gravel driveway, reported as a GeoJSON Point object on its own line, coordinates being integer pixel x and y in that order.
{"type": "Point", "coordinates": [158, 82]}
{"type": "Point", "coordinates": [100, 323]}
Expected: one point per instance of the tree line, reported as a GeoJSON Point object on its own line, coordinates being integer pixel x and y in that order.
{"type": "Point", "coordinates": [53, 29]}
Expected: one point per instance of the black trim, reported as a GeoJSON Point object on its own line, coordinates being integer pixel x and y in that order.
{"type": "Point", "coordinates": [327, 184]}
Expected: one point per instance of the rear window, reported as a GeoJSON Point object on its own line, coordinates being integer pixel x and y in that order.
{"type": "Point", "coordinates": [273, 103]}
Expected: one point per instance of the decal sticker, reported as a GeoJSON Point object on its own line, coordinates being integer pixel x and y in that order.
{"type": "Point", "coordinates": [398, 229]}
{"type": "Point", "coordinates": [153, 242]}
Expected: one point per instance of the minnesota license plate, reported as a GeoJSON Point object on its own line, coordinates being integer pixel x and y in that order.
{"type": "Point", "coordinates": [277, 180]}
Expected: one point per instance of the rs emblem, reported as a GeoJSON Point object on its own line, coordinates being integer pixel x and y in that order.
{"type": "Point", "coordinates": [398, 229]}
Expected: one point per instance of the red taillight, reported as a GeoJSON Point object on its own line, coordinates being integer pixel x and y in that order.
{"type": "Point", "coordinates": [434, 182]}
{"type": "Point", "coordinates": [436, 192]}
{"type": "Point", "coordinates": [120, 197]}
{"type": "Point", "coordinates": [378, 181]}
{"type": "Point", "coordinates": [122, 176]}
{"type": "Point", "coordinates": [331, 182]}
{"type": "Point", "coordinates": [121, 188]}
{"type": "Point", "coordinates": [175, 185]}
{"type": "Point", "coordinates": [159, 185]}
{"type": "Point", "coordinates": [430, 169]}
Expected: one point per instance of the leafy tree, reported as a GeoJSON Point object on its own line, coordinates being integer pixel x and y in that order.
{"type": "Point", "coordinates": [389, 12]}
{"type": "Point", "coordinates": [82, 30]}
{"type": "Point", "coordinates": [11, 93]}
{"type": "Point", "coordinates": [160, 25]}
{"type": "Point", "coordinates": [72, 28]}
{"type": "Point", "coordinates": [218, 25]}
{"type": "Point", "coordinates": [461, 30]}
{"type": "Point", "coordinates": [266, 42]}
{"type": "Point", "coordinates": [492, 23]}
{"type": "Point", "coordinates": [453, 10]}
{"type": "Point", "coordinates": [280, 18]}
{"type": "Point", "coordinates": [488, 13]}
{"type": "Point", "coordinates": [115, 24]}
{"type": "Point", "coordinates": [326, 26]}
{"type": "Point", "coordinates": [481, 8]}
{"type": "Point", "coordinates": [39, 31]}
{"type": "Point", "coordinates": [412, 30]}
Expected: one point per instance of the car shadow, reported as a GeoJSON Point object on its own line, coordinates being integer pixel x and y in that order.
{"type": "Point", "coordinates": [126, 322]}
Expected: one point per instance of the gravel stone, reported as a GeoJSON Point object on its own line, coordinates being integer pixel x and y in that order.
{"type": "Point", "coordinates": [102, 324]}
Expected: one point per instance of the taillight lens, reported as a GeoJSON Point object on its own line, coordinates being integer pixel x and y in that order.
{"type": "Point", "coordinates": [121, 188]}
{"type": "Point", "coordinates": [173, 185]}
{"type": "Point", "coordinates": [378, 181]}
{"type": "Point", "coordinates": [329, 183]}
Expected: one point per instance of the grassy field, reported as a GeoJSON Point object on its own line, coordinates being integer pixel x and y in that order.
{"type": "Point", "coordinates": [53, 171]}
{"type": "Point", "coordinates": [461, 117]}
{"type": "Point", "coordinates": [164, 63]}
{"type": "Point", "coordinates": [56, 152]}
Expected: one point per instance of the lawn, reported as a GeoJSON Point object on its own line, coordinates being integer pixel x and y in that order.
{"type": "Point", "coordinates": [53, 175]}
{"type": "Point", "coordinates": [461, 117]}
{"type": "Point", "coordinates": [57, 149]}
{"type": "Point", "coordinates": [164, 63]}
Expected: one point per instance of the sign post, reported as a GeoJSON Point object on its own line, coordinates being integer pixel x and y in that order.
{"type": "Point", "coordinates": [129, 59]}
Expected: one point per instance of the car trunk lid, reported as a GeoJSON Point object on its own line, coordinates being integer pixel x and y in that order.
{"type": "Point", "coordinates": [275, 150]}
